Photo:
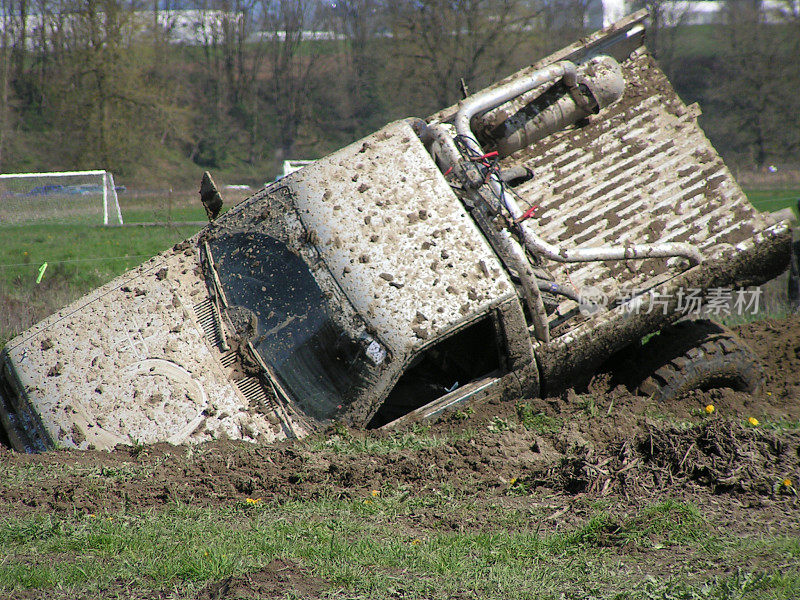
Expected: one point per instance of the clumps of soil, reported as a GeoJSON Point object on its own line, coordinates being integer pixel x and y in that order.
{"type": "Point", "coordinates": [279, 579]}
{"type": "Point", "coordinates": [777, 343]}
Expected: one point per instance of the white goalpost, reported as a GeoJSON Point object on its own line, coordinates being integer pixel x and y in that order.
{"type": "Point", "coordinates": [60, 197]}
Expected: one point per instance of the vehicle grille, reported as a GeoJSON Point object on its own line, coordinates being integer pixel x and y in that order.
{"type": "Point", "coordinates": [228, 359]}
{"type": "Point", "coordinates": [205, 316]}
{"type": "Point", "coordinates": [252, 389]}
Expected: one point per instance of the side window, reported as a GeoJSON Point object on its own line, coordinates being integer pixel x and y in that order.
{"type": "Point", "coordinates": [470, 354]}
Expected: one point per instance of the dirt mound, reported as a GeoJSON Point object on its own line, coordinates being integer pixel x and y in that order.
{"type": "Point", "coordinates": [716, 454]}
{"type": "Point", "coordinates": [722, 455]}
{"type": "Point", "coordinates": [279, 579]}
{"type": "Point", "coordinates": [777, 342]}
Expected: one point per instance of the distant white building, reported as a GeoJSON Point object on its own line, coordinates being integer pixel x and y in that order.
{"type": "Point", "coordinates": [191, 27]}
{"type": "Point", "coordinates": [614, 10]}
{"type": "Point", "coordinates": [261, 36]}
{"type": "Point", "coordinates": [602, 13]}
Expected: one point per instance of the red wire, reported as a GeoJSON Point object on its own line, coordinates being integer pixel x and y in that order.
{"type": "Point", "coordinates": [484, 156]}
{"type": "Point", "coordinates": [527, 214]}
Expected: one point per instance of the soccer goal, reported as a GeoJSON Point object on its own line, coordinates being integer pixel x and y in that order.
{"type": "Point", "coordinates": [68, 197]}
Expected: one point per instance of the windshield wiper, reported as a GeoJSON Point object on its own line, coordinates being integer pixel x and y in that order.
{"type": "Point", "coordinates": [277, 390]}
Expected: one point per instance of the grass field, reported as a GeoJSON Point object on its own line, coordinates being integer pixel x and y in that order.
{"type": "Point", "coordinates": [81, 257]}
{"type": "Point", "coordinates": [87, 256]}
{"type": "Point", "coordinates": [421, 539]}
{"type": "Point", "coordinates": [374, 549]}
{"type": "Point", "coordinates": [772, 200]}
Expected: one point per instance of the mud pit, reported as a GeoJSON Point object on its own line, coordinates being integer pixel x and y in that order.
{"type": "Point", "coordinates": [556, 455]}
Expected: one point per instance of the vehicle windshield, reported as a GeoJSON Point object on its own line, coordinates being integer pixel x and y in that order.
{"type": "Point", "coordinates": [276, 303]}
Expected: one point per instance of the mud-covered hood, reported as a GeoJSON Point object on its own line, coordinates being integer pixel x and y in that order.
{"type": "Point", "coordinates": [127, 364]}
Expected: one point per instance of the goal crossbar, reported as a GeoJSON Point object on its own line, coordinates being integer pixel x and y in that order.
{"type": "Point", "coordinates": [107, 179]}
{"type": "Point", "coordinates": [50, 174]}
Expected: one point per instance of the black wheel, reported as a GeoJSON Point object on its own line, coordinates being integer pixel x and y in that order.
{"type": "Point", "coordinates": [693, 355]}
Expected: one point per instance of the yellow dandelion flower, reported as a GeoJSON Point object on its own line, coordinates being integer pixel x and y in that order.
{"type": "Point", "coordinates": [253, 501]}
{"type": "Point", "coordinates": [753, 421]}
{"type": "Point", "coordinates": [513, 481]}
{"type": "Point", "coordinates": [769, 393]}
{"type": "Point", "coordinates": [710, 409]}
{"type": "Point", "coordinates": [787, 482]}
{"type": "Point", "coordinates": [375, 493]}
{"type": "Point", "coordinates": [417, 542]}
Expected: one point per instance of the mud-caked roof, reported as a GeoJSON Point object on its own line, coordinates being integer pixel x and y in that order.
{"type": "Point", "coordinates": [398, 241]}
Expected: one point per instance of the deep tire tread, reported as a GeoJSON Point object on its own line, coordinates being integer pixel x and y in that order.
{"type": "Point", "coordinates": [694, 355]}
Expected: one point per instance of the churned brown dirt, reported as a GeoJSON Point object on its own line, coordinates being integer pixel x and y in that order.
{"type": "Point", "coordinates": [603, 442]}
{"type": "Point", "coordinates": [270, 582]}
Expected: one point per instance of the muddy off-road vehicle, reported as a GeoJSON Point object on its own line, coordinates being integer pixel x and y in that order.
{"type": "Point", "coordinates": [505, 247]}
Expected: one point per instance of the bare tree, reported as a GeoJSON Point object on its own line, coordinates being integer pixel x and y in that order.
{"type": "Point", "coordinates": [440, 42]}
{"type": "Point", "coordinates": [360, 22]}
{"type": "Point", "coordinates": [668, 20]}
{"type": "Point", "coordinates": [292, 71]}
{"type": "Point", "coordinates": [17, 18]}
{"type": "Point", "coordinates": [228, 77]}
{"type": "Point", "coordinates": [754, 98]}
{"type": "Point", "coordinates": [566, 20]}
{"type": "Point", "coordinates": [6, 36]}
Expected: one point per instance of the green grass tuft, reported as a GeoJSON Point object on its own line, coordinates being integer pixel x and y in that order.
{"type": "Point", "coordinates": [418, 437]}
{"type": "Point", "coordinates": [537, 421]}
